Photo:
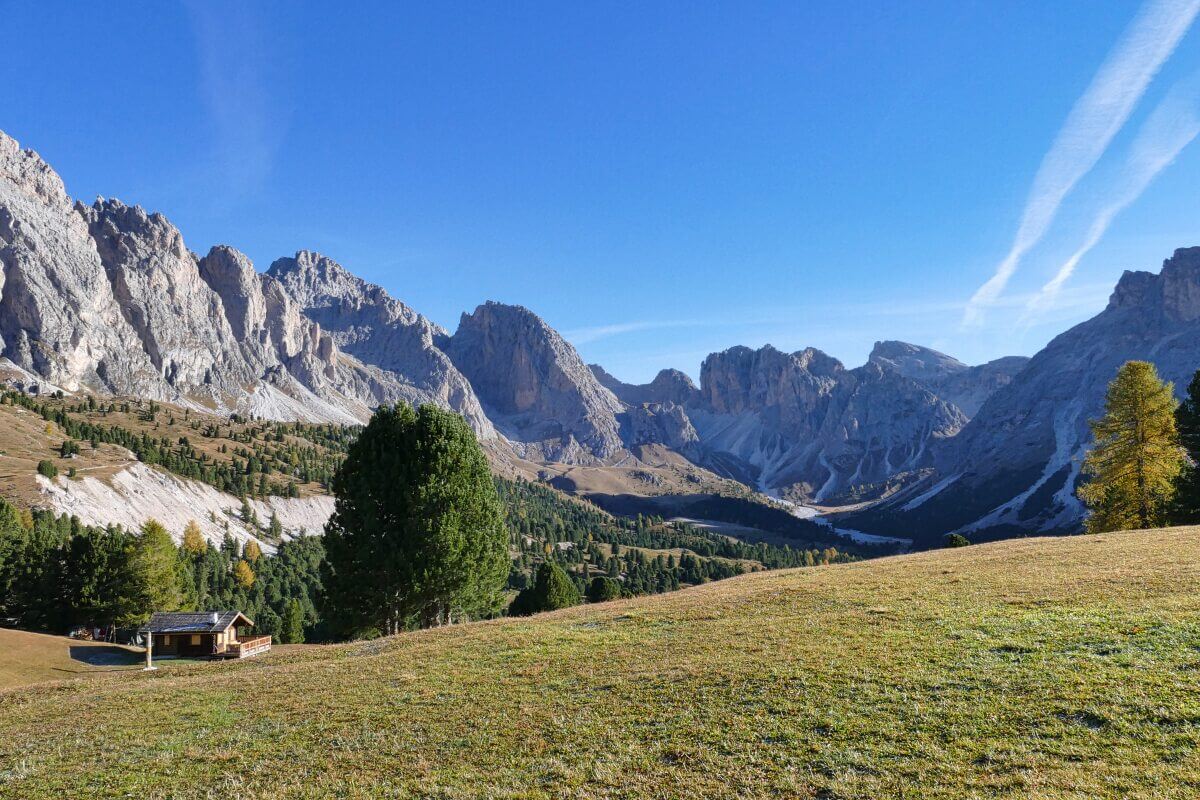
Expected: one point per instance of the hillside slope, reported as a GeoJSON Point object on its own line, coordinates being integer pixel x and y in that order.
{"type": "Point", "coordinates": [1030, 668]}
{"type": "Point", "coordinates": [27, 658]}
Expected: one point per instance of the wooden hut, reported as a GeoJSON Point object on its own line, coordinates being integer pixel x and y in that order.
{"type": "Point", "coordinates": [200, 634]}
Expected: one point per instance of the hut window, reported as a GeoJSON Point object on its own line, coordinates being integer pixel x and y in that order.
{"type": "Point", "coordinates": [166, 640]}
{"type": "Point", "coordinates": [195, 638]}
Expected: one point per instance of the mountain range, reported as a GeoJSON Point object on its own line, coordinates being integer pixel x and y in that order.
{"type": "Point", "coordinates": [107, 298]}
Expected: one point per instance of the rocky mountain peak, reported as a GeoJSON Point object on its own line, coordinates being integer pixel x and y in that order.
{"type": "Point", "coordinates": [533, 383]}
{"type": "Point", "coordinates": [668, 386]}
{"type": "Point", "coordinates": [1175, 291]}
{"type": "Point", "coordinates": [740, 379]}
{"type": "Point", "coordinates": [26, 172]}
{"type": "Point", "coordinates": [329, 291]}
{"type": "Point", "coordinates": [914, 361]}
{"type": "Point", "coordinates": [232, 276]}
{"type": "Point", "coordinates": [673, 386]}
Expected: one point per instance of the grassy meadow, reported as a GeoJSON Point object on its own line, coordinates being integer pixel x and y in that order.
{"type": "Point", "coordinates": [1035, 668]}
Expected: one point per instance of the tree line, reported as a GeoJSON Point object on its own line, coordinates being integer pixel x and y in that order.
{"type": "Point", "coordinates": [267, 458]}
{"type": "Point", "coordinates": [422, 535]}
{"type": "Point", "coordinates": [57, 574]}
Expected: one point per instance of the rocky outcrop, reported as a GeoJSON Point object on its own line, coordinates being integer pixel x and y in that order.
{"type": "Point", "coordinates": [661, 423]}
{"type": "Point", "coordinates": [668, 386]}
{"type": "Point", "coordinates": [534, 386]}
{"type": "Point", "coordinates": [948, 378]}
{"type": "Point", "coordinates": [1015, 466]}
{"type": "Point", "coordinates": [179, 320]}
{"type": "Point", "coordinates": [810, 426]}
{"type": "Point", "coordinates": [58, 316]}
{"type": "Point", "coordinates": [366, 322]}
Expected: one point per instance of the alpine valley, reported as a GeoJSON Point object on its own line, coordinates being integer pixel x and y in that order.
{"type": "Point", "coordinates": [107, 301]}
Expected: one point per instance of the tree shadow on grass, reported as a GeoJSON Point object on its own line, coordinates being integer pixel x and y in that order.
{"type": "Point", "coordinates": [105, 656]}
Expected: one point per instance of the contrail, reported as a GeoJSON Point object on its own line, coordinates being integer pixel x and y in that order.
{"type": "Point", "coordinates": [1167, 131]}
{"type": "Point", "coordinates": [1092, 123]}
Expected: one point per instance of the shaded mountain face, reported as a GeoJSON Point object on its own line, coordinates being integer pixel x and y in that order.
{"type": "Point", "coordinates": [1015, 466]}
{"type": "Point", "coordinates": [668, 386]}
{"type": "Point", "coordinates": [535, 387]}
{"type": "Point", "coordinates": [953, 381]}
{"type": "Point", "coordinates": [804, 423]}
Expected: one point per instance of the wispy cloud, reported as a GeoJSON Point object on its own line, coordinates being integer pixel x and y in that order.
{"type": "Point", "coordinates": [232, 49]}
{"type": "Point", "coordinates": [592, 334]}
{"type": "Point", "coordinates": [1094, 120]}
{"type": "Point", "coordinates": [1171, 127]}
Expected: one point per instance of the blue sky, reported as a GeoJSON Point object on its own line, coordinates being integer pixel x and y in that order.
{"type": "Point", "coordinates": [658, 181]}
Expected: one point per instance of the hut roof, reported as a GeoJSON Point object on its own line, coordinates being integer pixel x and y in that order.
{"type": "Point", "coordinates": [193, 621]}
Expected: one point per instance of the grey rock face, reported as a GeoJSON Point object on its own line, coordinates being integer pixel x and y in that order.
{"type": "Point", "coordinates": [108, 298]}
{"type": "Point", "coordinates": [950, 379]}
{"type": "Point", "coordinates": [156, 281]}
{"type": "Point", "coordinates": [661, 423]}
{"type": "Point", "coordinates": [669, 386]}
{"type": "Point", "coordinates": [534, 386]}
{"type": "Point", "coordinates": [1015, 466]}
{"type": "Point", "coordinates": [366, 322]}
{"type": "Point", "coordinates": [58, 316]}
{"type": "Point", "coordinates": [807, 423]}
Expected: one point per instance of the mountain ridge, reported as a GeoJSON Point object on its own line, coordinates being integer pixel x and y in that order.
{"type": "Point", "coordinates": [108, 298]}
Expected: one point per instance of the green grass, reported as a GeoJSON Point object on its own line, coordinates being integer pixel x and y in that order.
{"type": "Point", "coordinates": [1046, 668]}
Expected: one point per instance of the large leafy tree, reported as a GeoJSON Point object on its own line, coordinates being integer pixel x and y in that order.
{"type": "Point", "coordinates": [417, 534]}
{"type": "Point", "coordinates": [1136, 456]}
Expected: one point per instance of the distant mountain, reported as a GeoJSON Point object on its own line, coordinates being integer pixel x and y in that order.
{"type": "Point", "coordinates": [669, 386]}
{"type": "Point", "coordinates": [535, 386]}
{"type": "Point", "coordinates": [806, 424]}
{"type": "Point", "coordinates": [950, 379]}
{"type": "Point", "coordinates": [1014, 468]}
{"type": "Point", "coordinates": [365, 321]}
{"type": "Point", "coordinates": [108, 298]}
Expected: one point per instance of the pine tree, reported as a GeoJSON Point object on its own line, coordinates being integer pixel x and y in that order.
{"type": "Point", "coordinates": [417, 534]}
{"type": "Point", "coordinates": [251, 552]}
{"type": "Point", "coordinates": [552, 589]}
{"type": "Point", "coordinates": [1185, 509]}
{"type": "Point", "coordinates": [152, 576]}
{"type": "Point", "coordinates": [602, 589]}
{"type": "Point", "coordinates": [1135, 457]}
{"type": "Point", "coordinates": [293, 625]}
{"type": "Point", "coordinates": [243, 574]}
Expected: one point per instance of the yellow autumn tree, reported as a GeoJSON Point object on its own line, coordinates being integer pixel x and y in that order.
{"type": "Point", "coordinates": [243, 574]}
{"type": "Point", "coordinates": [193, 540]}
{"type": "Point", "coordinates": [251, 551]}
{"type": "Point", "coordinates": [1135, 456]}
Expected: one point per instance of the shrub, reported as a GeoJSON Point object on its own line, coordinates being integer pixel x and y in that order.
{"type": "Point", "coordinates": [603, 589]}
{"type": "Point", "coordinates": [552, 589]}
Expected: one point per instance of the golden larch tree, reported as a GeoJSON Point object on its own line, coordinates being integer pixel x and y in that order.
{"type": "Point", "coordinates": [1135, 456]}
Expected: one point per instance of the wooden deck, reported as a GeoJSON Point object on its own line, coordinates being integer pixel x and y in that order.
{"type": "Point", "coordinates": [250, 647]}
